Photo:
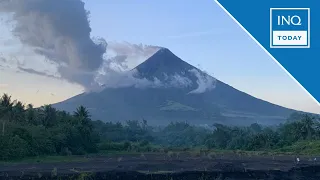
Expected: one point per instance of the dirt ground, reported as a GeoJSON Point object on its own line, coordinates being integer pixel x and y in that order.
{"type": "Point", "coordinates": [159, 163]}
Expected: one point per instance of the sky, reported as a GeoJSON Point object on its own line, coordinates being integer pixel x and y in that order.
{"type": "Point", "coordinates": [201, 34]}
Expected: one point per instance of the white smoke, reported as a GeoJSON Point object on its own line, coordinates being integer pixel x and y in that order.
{"type": "Point", "coordinates": [178, 81]}
{"type": "Point", "coordinates": [129, 55]}
{"type": "Point", "coordinates": [204, 81]}
{"type": "Point", "coordinates": [125, 79]}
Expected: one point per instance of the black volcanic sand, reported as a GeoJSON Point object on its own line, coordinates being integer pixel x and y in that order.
{"type": "Point", "coordinates": [169, 167]}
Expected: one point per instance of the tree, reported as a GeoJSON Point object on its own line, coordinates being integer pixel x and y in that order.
{"type": "Point", "coordinates": [31, 115]}
{"type": "Point", "coordinates": [44, 131]}
{"type": "Point", "coordinates": [48, 116]}
{"type": "Point", "coordinates": [6, 110]}
{"type": "Point", "coordinates": [82, 115]}
{"type": "Point", "coordinates": [18, 112]}
{"type": "Point", "coordinates": [144, 124]}
{"type": "Point", "coordinates": [307, 127]}
{"type": "Point", "coordinates": [85, 128]}
{"type": "Point", "coordinates": [256, 127]}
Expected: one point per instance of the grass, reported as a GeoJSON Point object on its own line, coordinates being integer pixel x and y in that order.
{"type": "Point", "coordinates": [299, 148]}
{"type": "Point", "coordinates": [106, 152]}
{"type": "Point", "coordinates": [198, 152]}
{"type": "Point", "coordinates": [46, 159]}
{"type": "Point", "coordinates": [175, 106]}
{"type": "Point", "coordinates": [156, 172]}
{"type": "Point", "coordinates": [302, 147]}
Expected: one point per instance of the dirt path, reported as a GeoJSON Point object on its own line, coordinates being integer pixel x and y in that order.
{"type": "Point", "coordinates": [158, 163]}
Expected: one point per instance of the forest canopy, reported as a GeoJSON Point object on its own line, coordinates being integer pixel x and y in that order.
{"type": "Point", "coordinates": [27, 132]}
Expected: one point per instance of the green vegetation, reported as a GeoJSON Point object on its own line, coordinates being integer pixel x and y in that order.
{"type": "Point", "coordinates": [175, 106]}
{"type": "Point", "coordinates": [27, 132]}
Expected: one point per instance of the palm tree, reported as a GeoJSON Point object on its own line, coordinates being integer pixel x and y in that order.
{"type": "Point", "coordinates": [18, 112]}
{"type": "Point", "coordinates": [83, 116]}
{"type": "Point", "coordinates": [30, 114]}
{"type": "Point", "coordinates": [82, 112]}
{"type": "Point", "coordinates": [48, 115]}
{"type": "Point", "coordinates": [6, 110]}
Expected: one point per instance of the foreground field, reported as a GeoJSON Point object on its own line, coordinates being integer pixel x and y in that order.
{"type": "Point", "coordinates": [168, 166]}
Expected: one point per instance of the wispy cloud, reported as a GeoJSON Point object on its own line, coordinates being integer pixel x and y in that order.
{"type": "Point", "coordinates": [32, 71]}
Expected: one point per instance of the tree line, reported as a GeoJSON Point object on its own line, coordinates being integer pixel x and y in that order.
{"type": "Point", "coordinates": [27, 131]}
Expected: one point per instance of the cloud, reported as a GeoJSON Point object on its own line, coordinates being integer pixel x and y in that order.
{"type": "Point", "coordinates": [130, 54]}
{"type": "Point", "coordinates": [32, 71]}
{"type": "Point", "coordinates": [177, 81]}
{"type": "Point", "coordinates": [53, 51]}
{"type": "Point", "coordinates": [59, 31]}
{"type": "Point", "coordinates": [204, 81]}
{"type": "Point", "coordinates": [131, 78]}
{"type": "Point", "coordinates": [125, 79]}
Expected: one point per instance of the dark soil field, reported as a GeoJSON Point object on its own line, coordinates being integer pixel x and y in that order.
{"type": "Point", "coordinates": [169, 166]}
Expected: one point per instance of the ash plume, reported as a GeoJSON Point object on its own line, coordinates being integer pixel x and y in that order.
{"type": "Point", "coordinates": [60, 31]}
{"type": "Point", "coordinates": [54, 39]}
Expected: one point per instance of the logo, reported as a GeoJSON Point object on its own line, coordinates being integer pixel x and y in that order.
{"type": "Point", "coordinates": [289, 27]}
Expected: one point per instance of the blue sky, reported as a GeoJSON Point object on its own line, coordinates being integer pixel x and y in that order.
{"type": "Point", "coordinates": [203, 35]}
{"type": "Point", "coordinates": [199, 33]}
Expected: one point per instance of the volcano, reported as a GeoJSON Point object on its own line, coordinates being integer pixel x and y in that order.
{"type": "Point", "coordinates": [184, 93]}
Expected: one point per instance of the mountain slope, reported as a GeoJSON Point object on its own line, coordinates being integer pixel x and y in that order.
{"type": "Point", "coordinates": [184, 94]}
